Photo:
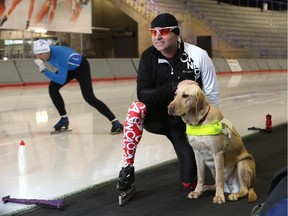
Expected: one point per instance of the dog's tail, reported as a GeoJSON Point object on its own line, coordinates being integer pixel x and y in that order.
{"type": "Point", "coordinates": [252, 196]}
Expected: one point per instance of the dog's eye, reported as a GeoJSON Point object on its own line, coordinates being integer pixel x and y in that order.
{"type": "Point", "coordinates": [185, 95]}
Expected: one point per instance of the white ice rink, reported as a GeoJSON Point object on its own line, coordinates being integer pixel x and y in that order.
{"type": "Point", "coordinates": [59, 165]}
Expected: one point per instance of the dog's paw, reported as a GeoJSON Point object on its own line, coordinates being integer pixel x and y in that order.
{"type": "Point", "coordinates": [235, 196]}
{"type": "Point", "coordinates": [194, 195]}
{"type": "Point", "coordinates": [219, 199]}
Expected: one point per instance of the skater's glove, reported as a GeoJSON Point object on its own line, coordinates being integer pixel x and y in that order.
{"type": "Point", "coordinates": [40, 64]}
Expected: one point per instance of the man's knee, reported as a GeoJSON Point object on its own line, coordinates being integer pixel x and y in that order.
{"type": "Point", "coordinates": [137, 109]}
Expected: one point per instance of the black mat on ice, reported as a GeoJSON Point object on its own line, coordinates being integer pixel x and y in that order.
{"type": "Point", "coordinates": [159, 191]}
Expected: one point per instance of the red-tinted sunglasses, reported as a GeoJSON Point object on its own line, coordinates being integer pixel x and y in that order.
{"type": "Point", "coordinates": [162, 31]}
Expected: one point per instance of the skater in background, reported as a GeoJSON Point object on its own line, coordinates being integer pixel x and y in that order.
{"type": "Point", "coordinates": [162, 66]}
{"type": "Point", "coordinates": [14, 4]}
{"type": "Point", "coordinates": [2, 8]}
{"type": "Point", "coordinates": [71, 65]}
{"type": "Point", "coordinates": [47, 9]}
{"type": "Point", "coordinates": [75, 7]}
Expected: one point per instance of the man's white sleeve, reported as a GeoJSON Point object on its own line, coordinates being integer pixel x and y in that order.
{"type": "Point", "coordinates": [209, 80]}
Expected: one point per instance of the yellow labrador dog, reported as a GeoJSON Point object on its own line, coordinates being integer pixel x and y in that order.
{"type": "Point", "coordinates": [216, 144]}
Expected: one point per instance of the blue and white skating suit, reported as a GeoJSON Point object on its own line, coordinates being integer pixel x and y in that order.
{"type": "Point", "coordinates": [65, 59]}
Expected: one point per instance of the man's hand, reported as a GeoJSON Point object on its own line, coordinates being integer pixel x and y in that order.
{"type": "Point", "coordinates": [40, 64]}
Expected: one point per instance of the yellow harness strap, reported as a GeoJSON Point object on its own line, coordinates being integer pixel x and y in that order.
{"type": "Point", "coordinates": [204, 130]}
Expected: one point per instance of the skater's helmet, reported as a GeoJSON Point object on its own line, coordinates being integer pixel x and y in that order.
{"type": "Point", "coordinates": [41, 46]}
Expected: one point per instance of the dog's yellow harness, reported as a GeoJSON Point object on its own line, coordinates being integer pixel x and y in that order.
{"type": "Point", "coordinates": [204, 130]}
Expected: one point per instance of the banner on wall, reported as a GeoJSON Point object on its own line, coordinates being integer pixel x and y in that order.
{"type": "Point", "coordinates": [73, 16]}
{"type": "Point", "coordinates": [234, 65]}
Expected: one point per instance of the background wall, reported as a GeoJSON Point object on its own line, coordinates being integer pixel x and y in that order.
{"type": "Point", "coordinates": [118, 38]}
{"type": "Point", "coordinates": [25, 72]}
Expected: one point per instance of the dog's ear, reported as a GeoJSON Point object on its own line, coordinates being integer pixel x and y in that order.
{"type": "Point", "coordinates": [201, 103]}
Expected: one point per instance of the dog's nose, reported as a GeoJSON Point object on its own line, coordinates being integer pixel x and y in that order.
{"type": "Point", "coordinates": [171, 108]}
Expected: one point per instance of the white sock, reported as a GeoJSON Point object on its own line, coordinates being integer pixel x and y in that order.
{"type": "Point", "coordinates": [114, 120]}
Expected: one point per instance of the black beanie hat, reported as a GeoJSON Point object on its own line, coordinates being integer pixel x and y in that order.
{"type": "Point", "coordinates": [165, 20]}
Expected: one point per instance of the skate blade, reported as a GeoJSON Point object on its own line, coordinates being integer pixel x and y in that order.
{"type": "Point", "coordinates": [125, 196]}
{"type": "Point", "coordinates": [61, 131]}
{"type": "Point", "coordinates": [116, 132]}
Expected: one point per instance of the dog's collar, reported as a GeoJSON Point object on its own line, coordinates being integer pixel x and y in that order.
{"type": "Point", "coordinates": [204, 130]}
{"type": "Point", "coordinates": [203, 119]}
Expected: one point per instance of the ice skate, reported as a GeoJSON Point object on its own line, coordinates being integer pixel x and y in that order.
{"type": "Point", "coordinates": [4, 19]}
{"type": "Point", "coordinates": [61, 126]}
{"type": "Point", "coordinates": [125, 184]}
{"type": "Point", "coordinates": [27, 24]}
{"type": "Point", "coordinates": [117, 129]}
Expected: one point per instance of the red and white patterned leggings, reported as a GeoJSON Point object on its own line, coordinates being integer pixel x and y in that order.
{"type": "Point", "coordinates": [132, 134]}
{"type": "Point", "coordinates": [133, 130]}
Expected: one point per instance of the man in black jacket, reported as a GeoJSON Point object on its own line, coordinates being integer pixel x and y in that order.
{"type": "Point", "coordinates": [162, 66]}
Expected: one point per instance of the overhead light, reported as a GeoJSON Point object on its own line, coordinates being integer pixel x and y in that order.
{"type": "Point", "coordinates": [40, 30]}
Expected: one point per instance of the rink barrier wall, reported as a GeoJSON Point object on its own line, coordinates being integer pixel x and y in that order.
{"type": "Point", "coordinates": [20, 72]}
